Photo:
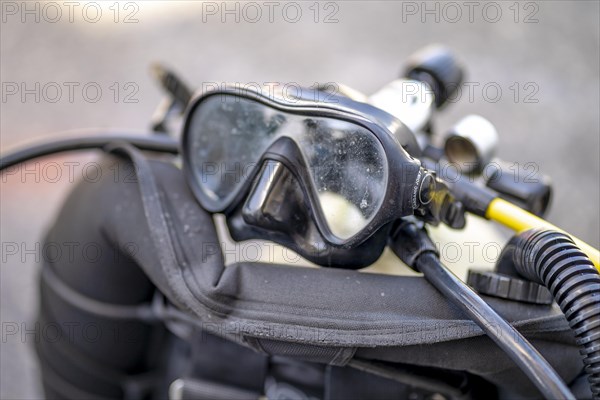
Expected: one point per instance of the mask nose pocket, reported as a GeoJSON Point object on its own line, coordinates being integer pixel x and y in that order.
{"type": "Point", "coordinates": [276, 200]}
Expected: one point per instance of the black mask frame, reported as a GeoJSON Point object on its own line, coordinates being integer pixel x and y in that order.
{"type": "Point", "coordinates": [404, 173]}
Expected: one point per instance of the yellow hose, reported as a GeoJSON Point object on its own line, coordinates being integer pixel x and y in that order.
{"type": "Point", "coordinates": [520, 220]}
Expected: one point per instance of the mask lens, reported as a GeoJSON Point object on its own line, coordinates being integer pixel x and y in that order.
{"type": "Point", "coordinates": [348, 169]}
{"type": "Point", "coordinates": [228, 135]}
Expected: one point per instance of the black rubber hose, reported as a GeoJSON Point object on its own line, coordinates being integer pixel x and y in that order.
{"type": "Point", "coordinates": [551, 258]}
{"type": "Point", "coordinates": [413, 246]}
{"type": "Point", "coordinates": [158, 143]}
{"type": "Point", "coordinates": [535, 366]}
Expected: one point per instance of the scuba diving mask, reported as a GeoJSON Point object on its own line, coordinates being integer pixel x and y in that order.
{"type": "Point", "coordinates": [325, 178]}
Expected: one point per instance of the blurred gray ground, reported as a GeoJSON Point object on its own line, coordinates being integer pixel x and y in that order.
{"type": "Point", "coordinates": [559, 53]}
